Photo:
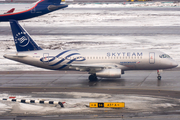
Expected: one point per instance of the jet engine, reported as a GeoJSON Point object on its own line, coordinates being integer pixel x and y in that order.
{"type": "Point", "coordinates": [109, 73]}
{"type": "Point", "coordinates": [55, 7]}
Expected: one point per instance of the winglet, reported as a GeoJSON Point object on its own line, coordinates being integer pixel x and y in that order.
{"type": "Point", "coordinates": [22, 39]}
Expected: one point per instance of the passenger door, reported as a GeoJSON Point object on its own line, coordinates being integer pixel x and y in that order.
{"type": "Point", "coordinates": [151, 57]}
{"type": "Point", "coordinates": [46, 58]}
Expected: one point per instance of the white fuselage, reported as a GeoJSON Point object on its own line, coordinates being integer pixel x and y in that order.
{"type": "Point", "coordinates": [120, 59]}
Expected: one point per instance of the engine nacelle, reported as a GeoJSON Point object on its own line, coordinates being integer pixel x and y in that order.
{"type": "Point", "coordinates": [109, 73]}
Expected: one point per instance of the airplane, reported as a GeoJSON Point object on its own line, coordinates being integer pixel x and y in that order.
{"type": "Point", "coordinates": [26, 11]}
{"type": "Point", "coordinates": [98, 63]}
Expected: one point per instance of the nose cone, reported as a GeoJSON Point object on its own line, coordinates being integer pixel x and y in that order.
{"type": "Point", "coordinates": [174, 64]}
{"type": "Point", "coordinates": [168, 63]}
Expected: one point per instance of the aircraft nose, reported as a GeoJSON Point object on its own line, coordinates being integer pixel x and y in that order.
{"type": "Point", "coordinates": [174, 64]}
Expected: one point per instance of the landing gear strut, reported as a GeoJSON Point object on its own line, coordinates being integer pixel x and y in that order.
{"type": "Point", "coordinates": [159, 76]}
{"type": "Point", "coordinates": [93, 77]}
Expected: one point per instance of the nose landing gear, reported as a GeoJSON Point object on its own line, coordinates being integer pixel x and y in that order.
{"type": "Point", "coordinates": [159, 76]}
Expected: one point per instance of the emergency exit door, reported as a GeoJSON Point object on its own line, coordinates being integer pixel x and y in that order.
{"type": "Point", "coordinates": [151, 57]}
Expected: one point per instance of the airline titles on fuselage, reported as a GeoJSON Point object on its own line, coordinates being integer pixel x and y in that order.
{"type": "Point", "coordinates": [115, 54]}
{"type": "Point", "coordinates": [125, 54]}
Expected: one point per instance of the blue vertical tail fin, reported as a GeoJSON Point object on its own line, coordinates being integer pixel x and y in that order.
{"type": "Point", "coordinates": [22, 39]}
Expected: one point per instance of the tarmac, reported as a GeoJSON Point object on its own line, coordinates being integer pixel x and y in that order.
{"type": "Point", "coordinates": [59, 84]}
{"type": "Point", "coordinates": [139, 80]}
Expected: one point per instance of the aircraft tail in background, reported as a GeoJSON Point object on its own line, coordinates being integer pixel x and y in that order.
{"type": "Point", "coordinates": [33, 10]}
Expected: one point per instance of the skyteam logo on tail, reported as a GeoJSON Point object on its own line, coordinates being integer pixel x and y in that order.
{"type": "Point", "coordinates": [21, 39]}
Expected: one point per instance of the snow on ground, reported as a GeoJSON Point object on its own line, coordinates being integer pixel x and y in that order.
{"type": "Point", "coordinates": [4, 108]}
{"type": "Point", "coordinates": [71, 17]}
{"type": "Point", "coordinates": [78, 102]}
{"type": "Point", "coordinates": [75, 15]}
{"type": "Point", "coordinates": [126, 4]}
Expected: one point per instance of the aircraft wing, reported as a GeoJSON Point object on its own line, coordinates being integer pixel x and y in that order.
{"type": "Point", "coordinates": [95, 67]}
{"type": "Point", "coordinates": [10, 11]}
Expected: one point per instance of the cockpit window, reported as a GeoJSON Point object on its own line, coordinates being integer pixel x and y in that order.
{"type": "Point", "coordinates": [164, 56]}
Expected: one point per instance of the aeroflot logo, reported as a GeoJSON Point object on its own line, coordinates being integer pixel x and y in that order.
{"type": "Point", "coordinates": [21, 39]}
{"type": "Point", "coordinates": [125, 54]}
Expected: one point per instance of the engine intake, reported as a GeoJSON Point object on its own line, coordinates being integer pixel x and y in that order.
{"type": "Point", "coordinates": [109, 73]}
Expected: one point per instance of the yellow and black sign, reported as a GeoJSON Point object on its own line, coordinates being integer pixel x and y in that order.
{"type": "Point", "coordinates": [107, 105]}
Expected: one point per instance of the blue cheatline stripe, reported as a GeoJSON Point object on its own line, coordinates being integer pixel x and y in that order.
{"type": "Point", "coordinates": [67, 63]}
{"type": "Point", "coordinates": [58, 62]}
{"type": "Point", "coordinates": [64, 59]}
{"type": "Point", "coordinates": [70, 62]}
{"type": "Point", "coordinates": [62, 53]}
{"type": "Point", "coordinates": [54, 57]}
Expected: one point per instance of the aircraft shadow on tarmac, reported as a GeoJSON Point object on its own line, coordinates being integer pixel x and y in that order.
{"type": "Point", "coordinates": [118, 82]}
{"type": "Point", "coordinates": [109, 82]}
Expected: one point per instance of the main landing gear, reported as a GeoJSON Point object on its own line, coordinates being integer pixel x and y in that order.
{"type": "Point", "coordinates": [93, 77]}
{"type": "Point", "coordinates": [159, 76]}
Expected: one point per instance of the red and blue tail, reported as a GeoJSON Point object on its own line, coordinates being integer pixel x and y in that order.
{"type": "Point", "coordinates": [40, 8]}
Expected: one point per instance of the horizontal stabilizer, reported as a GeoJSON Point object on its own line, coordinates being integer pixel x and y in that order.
{"type": "Point", "coordinates": [20, 56]}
